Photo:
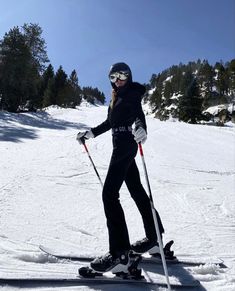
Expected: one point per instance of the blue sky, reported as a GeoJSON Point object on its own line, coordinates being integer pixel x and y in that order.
{"type": "Point", "coordinates": [149, 35]}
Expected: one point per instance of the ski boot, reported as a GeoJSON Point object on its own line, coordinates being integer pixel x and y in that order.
{"type": "Point", "coordinates": [169, 254]}
{"type": "Point", "coordinates": [145, 245]}
{"type": "Point", "coordinates": [122, 266]}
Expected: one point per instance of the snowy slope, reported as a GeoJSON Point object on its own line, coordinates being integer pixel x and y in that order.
{"type": "Point", "coordinates": [49, 193]}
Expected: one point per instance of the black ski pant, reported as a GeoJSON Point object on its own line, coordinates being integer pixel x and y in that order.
{"type": "Point", "coordinates": [123, 168]}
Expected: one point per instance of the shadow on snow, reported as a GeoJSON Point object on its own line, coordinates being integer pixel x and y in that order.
{"type": "Point", "coordinates": [17, 126]}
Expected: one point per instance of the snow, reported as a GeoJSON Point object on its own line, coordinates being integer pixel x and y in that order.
{"type": "Point", "coordinates": [214, 110]}
{"type": "Point", "coordinates": [172, 106]}
{"type": "Point", "coordinates": [168, 79]}
{"type": "Point", "coordinates": [50, 195]}
{"type": "Point", "coordinates": [176, 96]}
{"type": "Point", "coordinates": [151, 91]}
{"type": "Point", "coordinates": [147, 109]}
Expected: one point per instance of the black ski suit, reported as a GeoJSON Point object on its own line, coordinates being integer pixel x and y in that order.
{"type": "Point", "coordinates": [126, 110]}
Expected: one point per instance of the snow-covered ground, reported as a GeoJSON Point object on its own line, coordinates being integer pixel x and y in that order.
{"type": "Point", "coordinates": [50, 195]}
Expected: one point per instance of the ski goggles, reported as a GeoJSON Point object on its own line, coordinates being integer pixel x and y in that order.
{"type": "Point", "coordinates": [118, 76]}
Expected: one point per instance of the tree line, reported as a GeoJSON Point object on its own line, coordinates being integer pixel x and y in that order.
{"type": "Point", "coordinates": [28, 80]}
{"type": "Point", "coordinates": [184, 91]}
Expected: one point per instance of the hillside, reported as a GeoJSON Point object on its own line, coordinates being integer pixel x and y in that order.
{"type": "Point", "coordinates": [188, 91]}
{"type": "Point", "coordinates": [50, 194]}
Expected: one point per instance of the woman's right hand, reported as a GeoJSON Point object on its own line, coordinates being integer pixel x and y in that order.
{"type": "Point", "coordinates": [82, 135]}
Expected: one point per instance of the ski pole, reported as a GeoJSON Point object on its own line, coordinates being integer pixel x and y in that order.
{"type": "Point", "coordinates": [86, 149]}
{"type": "Point", "coordinates": [155, 218]}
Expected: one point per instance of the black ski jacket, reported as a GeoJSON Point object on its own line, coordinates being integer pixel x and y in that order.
{"type": "Point", "coordinates": [126, 110]}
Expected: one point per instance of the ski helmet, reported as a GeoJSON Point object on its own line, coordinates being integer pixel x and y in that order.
{"type": "Point", "coordinates": [120, 67]}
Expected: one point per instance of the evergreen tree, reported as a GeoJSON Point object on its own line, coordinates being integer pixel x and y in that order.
{"type": "Point", "coordinates": [47, 75]}
{"type": "Point", "coordinates": [92, 95]}
{"type": "Point", "coordinates": [49, 93]}
{"type": "Point", "coordinates": [36, 45]}
{"type": "Point", "coordinates": [168, 92]}
{"type": "Point", "coordinates": [231, 73]}
{"type": "Point", "coordinates": [76, 90]}
{"type": "Point", "coordinates": [88, 94]}
{"type": "Point", "coordinates": [176, 73]}
{"type": "Point", "coordinates": [60, 83]}
{"type": "Point", "coordinates": [156, 99]}
{"type": "Point", "coordinates": [66, 96]}
{"type": "Point", "coordinates": [216, 85]}
{"type": "Point", "coordinates": [48, 86]}
{"type": "Point", "coordinates": [190, 104]}
{"type": "Point", "coordinates": [153, 81]}
{"type": "Point", "coordinates": [206, 80]}
{"type": "Point", "coordinates": [222, 79]}
{"type": "Point", "coordinates": [19, 76]}
{"type": "Point", "coordinates": [22, 54]}
{"type": "Point", "coordinates": [206, 76]}
{"type": "Point", "coordinates": [100, 96]}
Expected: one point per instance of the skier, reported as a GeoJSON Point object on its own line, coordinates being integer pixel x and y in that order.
{"type": "Point", "coordinates": [124, 111]}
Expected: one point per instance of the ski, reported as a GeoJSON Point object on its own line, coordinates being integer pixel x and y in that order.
{"type": "Point", "coordinates": [80, 273]}
{"type": "Point", "coordinates": [102, 280]}
{"type": "Point", "coordinates": [181, 260]}
{"type": "Point", "coordinates": [135, 276]}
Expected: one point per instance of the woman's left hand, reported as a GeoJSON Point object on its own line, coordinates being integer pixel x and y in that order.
{"type": "Point", "coordinates": [140, 135]}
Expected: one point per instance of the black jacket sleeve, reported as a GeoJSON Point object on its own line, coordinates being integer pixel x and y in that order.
{"type": "Point", "coordinates": [140, 116]}
{"type": "Point", "coordinates": [140, 119]}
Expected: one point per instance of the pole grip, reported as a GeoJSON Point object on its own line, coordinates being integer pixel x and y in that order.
{"type": "Point", "coordinates": [84, 144]}
{"type": "Point", "coordinates": [141, 149]}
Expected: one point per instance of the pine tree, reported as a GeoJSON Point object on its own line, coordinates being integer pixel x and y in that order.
{"type": "Point", "coordinates": [231, 73]}
{"type": "Point", "coordinates": [156, 96]}
{"type": "Point", "coordinates": [76, 97]}
{"type": "Point", "coordinates": [153, 81]}
{"type": "Point", "coordinates": [190, 104]}
{"type": "Point", "coordinates": [47, 87]}
{"type": "Point", "coordinates": [22, 54]}
{"type": "Point", "coordinates": [216, 85]}
{"type": "Point", "coordinates": [206, 80]}
{"type": "Point", "coordinates": [168, 92]}
{"type": "Point", "coordinates": [222, 81]}
{"type": "Point", "coordinates": [47, 75]}
{"type": "Point", "coordinates": [36, 45]}
{"type": "Point", "coordinates": [60, 83]}
{"type": "Point", "coordinates": [156, 99]}
{"type": "Point", "coordinates": [49, 93]}
{"type": "Point", "coordinates": [19, 77]}
{"type": "Point", "coordinates": [92, 95]}
{"type": "Point", "coordinates": [176, 73]}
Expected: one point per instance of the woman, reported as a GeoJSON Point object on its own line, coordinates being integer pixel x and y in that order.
{"type": "Point", "coordinates": [124, 111]}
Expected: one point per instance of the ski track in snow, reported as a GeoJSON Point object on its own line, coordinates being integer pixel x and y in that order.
{"type": "Point", "coordinates": [49, 193]}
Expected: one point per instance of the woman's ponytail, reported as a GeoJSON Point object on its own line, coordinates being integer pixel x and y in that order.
{"type": "Point", "coordinates": [114, 96]}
